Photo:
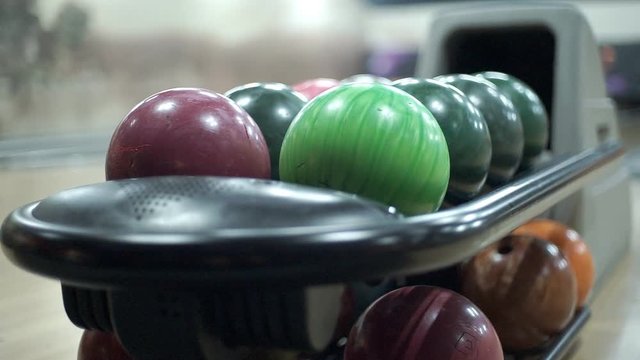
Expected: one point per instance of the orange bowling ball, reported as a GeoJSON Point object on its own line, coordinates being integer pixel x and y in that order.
{"type": "Point", "coordinates": [572, 247]}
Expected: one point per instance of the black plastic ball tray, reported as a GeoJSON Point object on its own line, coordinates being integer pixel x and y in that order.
{"type": "Point", "coordinates": [194, 230]}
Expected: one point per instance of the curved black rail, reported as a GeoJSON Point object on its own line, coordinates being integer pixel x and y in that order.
{"type": "Point", "coordinates": [296, 255]}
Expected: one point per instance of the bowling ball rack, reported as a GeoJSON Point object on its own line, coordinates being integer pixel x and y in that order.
{"type": "Point", "coordinates": [560, 345]}
{"type": "Point", "coordinates": [119, 246]}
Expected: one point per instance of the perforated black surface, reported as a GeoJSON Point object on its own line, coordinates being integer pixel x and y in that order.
{"type": "Point", "coordinates": [199, 206]}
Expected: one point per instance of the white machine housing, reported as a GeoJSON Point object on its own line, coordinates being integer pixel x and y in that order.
{"type": "Point", "coordinates": [551, 47]}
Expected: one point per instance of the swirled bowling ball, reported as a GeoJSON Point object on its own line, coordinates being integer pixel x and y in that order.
{"type": "Point", "coordinates": [366, 79]}
{"type": "Point", "coordinates": [272, 106]}
{"type": "Point", "coordinates": [526, 288]}
{"type": "Point", "coordinates": [505, 126]}
{"type": "Point", "coordinates": [314, 87]}
{"type": "Point", "coordinates": [187, 131]}
{"type": "Point", "coordinates": [572, 247]}
{"type": "Point", "coordinates": [423, 322]}
{"type": "Point", "coordinates": [464, 128]}
{"type": "Point", "coordinates": [535, 122]}
{"type": "Point", "coordinates": [98, 345]}
{"type": "Point", "coordinates": [372, 140]}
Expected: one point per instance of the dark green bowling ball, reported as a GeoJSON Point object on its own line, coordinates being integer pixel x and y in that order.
{"type": "Point", "coordinates": [505, 126]}
{"type": "Point", "coordinates": [272, 106]}
{"type": "Point", "coordinates": [464, 128]}
{"type": "Point", "coordinates": [535, 121]}
{"type": "Point", "coordinates": [372, 140]}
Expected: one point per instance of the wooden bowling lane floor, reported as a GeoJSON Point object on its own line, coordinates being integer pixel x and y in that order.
{"type": "Point", "coordinates": [33, 325]}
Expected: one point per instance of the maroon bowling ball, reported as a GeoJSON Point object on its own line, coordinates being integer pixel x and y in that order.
{"type": "Point", "coordinates": [423, 323]}
{"type": "Point", "coordinates": [187, 131]}
{"type": "Point", "coordinates": [98, 345]}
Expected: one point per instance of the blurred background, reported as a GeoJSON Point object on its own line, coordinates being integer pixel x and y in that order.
{"type": "Point", "coordinates": [71, 67]}
{"type": "Point", "coordinates": [77, 66]}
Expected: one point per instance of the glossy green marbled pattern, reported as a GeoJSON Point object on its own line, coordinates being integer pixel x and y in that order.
{"type": "Point", "coordinates": [371, 140]}
{"type": "Point", "coordinates": [464, 129]}
{"type": "Point", "coordinates": [367, 79]}
{"type": "Point", "coordinates": [505, 126]}
{"type": "Point", "coordinates": [535, 121]}
{"type": "Point", "coordinates": [273, 107]}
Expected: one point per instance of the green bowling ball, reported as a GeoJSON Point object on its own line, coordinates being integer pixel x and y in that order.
{"type": "Point", "coordinates": [366, 78]}
{"type": "Point", "coordinates": [505, 126]}
{"type": "Point", "coordinates": [464, 129]}
{"type": "Point", "coordinates": [535, 121]}
{"type": "Point", "coordinates": [372, 140]}
{"type": "Point", "coordinates": [272, 106]}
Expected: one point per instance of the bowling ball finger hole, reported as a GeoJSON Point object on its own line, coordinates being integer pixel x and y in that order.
{"type": "Point", "coordinates": [505, 249]}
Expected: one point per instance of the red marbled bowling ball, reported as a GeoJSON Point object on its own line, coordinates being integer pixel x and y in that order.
{"type": "Point", "coordinates": [187, 131]}
{"type": "Point", "coordinates": [314, 87]}
{"type": "Point", "coordinates": [423, 323]}
{"type": "Point", "coordinates": [98, 345]}
{"type": "Point", "coordinates": [525, 286]}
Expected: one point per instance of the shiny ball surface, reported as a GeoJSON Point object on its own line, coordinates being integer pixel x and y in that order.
{"type": "Point", "coordinates": [372, 140]}
{"type": "Point", "coordinates": [272, 106]}
{"type": "Point", "coordinates": [467, 134]}
{"type": "Point", "coordinates": [572, 247]}
{"type": "Point", "coordinates": [187, 131]}
{"type": "Point", "coordinates": [423, 322]}
{"type": "Point", "coordinates": [535, 122]}
{"type": "Point", "coordinates": [314, 87]}
{"type": "Point", "coordinates": [525, 287]}
{"type": "Point", "coordinates": [505, 126]}
{"type": "Point", "coordinates": [366, 79]}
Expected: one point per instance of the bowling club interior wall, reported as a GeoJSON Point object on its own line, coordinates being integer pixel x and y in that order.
{"type": "Point", "coordinates": [88, 60]}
